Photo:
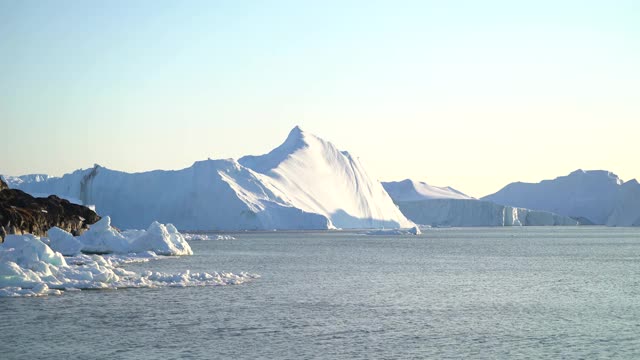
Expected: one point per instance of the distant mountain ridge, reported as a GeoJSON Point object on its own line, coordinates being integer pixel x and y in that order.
{"type": "Point", "coordinates": [305, 183]}
{"type": "Point", "coordinates": [597, 195]}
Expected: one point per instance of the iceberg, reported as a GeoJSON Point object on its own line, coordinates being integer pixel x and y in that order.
{"type": "Point", "coordinates": [313, 175]}
{"type": "Point", "coordinates": [162, 240]}
{"type": "Point", "coordinates": [444, 206]}
{"type": "Point", "coordinates": [463, 213]}
{"type": "Point", "coordinates": [305, 183]}
{"type": "Point", "coordinates": [101, 238]}
{"type": "Point", "coordinates": [597, 196]}
{"type": "Point", "coordinates": [411, 190]}
{"type": "Point", "coordinates": [626, 211]}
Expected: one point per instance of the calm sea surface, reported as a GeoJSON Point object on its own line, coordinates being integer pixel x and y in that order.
{"type": "Point", "coordinates": [504, 293]}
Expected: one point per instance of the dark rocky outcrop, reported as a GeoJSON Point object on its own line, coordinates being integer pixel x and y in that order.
{"type": "Point", "coordinates": [21, 213]}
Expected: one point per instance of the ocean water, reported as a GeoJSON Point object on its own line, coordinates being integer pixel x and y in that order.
{"type": "Point", "coordinates": [505, 293]}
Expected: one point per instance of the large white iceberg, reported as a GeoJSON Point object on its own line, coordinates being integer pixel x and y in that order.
{"type": "Point", "coordinates": [311, 174]}
{"type": "Point", "coordinates": [306, 183]}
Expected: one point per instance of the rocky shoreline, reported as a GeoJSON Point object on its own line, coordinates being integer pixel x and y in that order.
{"type": "Point", "coordinates": [21, 213]}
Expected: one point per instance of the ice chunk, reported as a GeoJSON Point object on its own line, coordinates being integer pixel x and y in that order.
{"type": "Point", "coordinates": [391, 232]}
{"type": "Point", "coordinates": [28, 251]}
{"type": "Point", "coordinates": [63, 242]}
{"type": "Point", "coordinates": [101, 238]}
{"type": "Point", "coordinates": [161, 239]}
{"type": "Point", "coordinates": [205, 237]}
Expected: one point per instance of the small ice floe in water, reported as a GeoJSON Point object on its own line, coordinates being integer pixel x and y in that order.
{"type": "Point", "coordinates": [411, 231]}
{"type": "Point", "coordinates": [207, 237]}
{"type": "Point", "coordinates": [30, 267]}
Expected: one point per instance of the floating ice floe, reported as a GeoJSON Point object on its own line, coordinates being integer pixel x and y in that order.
{"type": "Point", "coordinates": [30, 267]}
{"type": "Point", "coordinates": [207, 237]}
{"type": "Point", "coordinates": [387, 232]}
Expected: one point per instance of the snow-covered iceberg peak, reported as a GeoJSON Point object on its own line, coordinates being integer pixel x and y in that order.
{"type": "Point", "coordinates": [313, 175]}
{"type": "Point", "coordinates": [296, 140]}
{"type": "Point", "coordinates": [411, 190]}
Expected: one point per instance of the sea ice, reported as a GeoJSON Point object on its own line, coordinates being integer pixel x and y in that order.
{"type": "Point", "coordinates": [206, 237]}
{"type": "Point", "coordinates": [30, 267]}
{"type": "Point", "coordinates": [63, 242]}
{"type": "Point", "coordinates": [102, 238]}
{"type": "Point", "coordinates": [388, 232]}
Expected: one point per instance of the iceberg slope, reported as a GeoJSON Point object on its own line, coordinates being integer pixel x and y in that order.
{"type": "Point", "coordinates": [313, 175]}
{"type": "Point", "coordinates": [410, 190]}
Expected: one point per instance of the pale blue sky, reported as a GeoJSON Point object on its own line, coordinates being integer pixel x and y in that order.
{"type": "Point", "coordinates": [472, 94]}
